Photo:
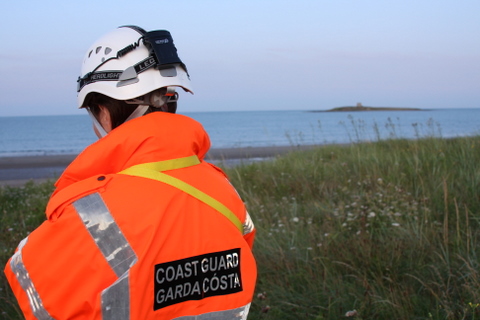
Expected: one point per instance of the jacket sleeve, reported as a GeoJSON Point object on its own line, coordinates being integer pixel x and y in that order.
{"type": "Point", "coordinates": [53, 263]}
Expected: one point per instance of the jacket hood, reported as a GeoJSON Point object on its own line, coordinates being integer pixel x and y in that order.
{"type": "Point", "coordinates": [154, 137]}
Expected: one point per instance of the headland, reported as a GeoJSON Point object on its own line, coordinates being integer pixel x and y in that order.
{"type": "Point", "coordinates": [360, 107]}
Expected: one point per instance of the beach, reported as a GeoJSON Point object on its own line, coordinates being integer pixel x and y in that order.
{"type": "Point", "coordinates": [16, 171]}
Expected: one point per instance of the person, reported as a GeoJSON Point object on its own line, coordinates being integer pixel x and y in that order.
{"type": "Point", "coordinates": [139, 225]}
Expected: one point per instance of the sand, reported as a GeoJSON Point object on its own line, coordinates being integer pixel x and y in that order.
{"type": "Point", "coordinates": [16, 171]}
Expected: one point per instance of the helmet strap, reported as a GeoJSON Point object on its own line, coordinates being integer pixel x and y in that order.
{"type": "Point", "coordinates": [97, 124]}
{"type": "Point", "coordinates": [138, 112]}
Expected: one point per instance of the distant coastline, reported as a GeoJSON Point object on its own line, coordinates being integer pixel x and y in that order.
{"type": "Point", "coordinates": [360, 107]}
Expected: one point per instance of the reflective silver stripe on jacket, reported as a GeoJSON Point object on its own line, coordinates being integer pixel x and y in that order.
{"type": "Point", "coordinates": [115, 248]}
{"type": "Point", "coordinates": [23, 277]}
{"type": "Point", "coordinates": [238, 313]}
{"type": "Point", "coordinates": [248, 225]}
{"type": "Point", "coordinates": [106, 233]}
{"type": "Point", "coordinates": [116, 299]}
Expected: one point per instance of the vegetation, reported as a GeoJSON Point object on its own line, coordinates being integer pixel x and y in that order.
{"type": "Point", "coordinates": [22, 209]}
{"type": "Point", "coordinates": [382, 230]}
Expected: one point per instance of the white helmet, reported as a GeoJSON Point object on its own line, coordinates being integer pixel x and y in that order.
{"type": "Point", "coordinates": [129, 62]}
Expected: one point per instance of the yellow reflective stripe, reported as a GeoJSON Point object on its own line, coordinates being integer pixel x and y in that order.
{"type": "Point", "coordinates": [149, 170]}
{"type": "Point", "coordinates": [168, 164]}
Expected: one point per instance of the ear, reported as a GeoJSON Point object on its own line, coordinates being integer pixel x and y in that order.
{"type": "Point", "coordinates": [105, 119]}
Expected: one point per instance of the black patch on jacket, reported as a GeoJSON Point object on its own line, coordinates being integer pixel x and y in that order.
{"type": "Point", "coordinates": [198, 277]}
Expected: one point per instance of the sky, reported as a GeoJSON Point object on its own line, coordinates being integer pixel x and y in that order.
{"type": "Point", "coordinates": [256, 54]}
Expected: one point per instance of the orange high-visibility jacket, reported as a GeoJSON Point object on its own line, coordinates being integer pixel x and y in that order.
{"type": "Point", "coordinates": [140, 227]}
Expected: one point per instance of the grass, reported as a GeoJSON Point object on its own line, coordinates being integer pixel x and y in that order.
{"type": "Point", "coordinates": [21, 210]}
{"type": "Point", "coordinates": [381, 230]}
{"type": "Point", "coordinates": [389, 229]}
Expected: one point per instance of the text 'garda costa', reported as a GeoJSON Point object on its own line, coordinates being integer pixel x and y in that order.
{"type": "Point", "coordinates": [197, 277]}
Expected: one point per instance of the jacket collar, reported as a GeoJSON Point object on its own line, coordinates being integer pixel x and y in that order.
{"type": "Point", "coordinates": [154, 137]}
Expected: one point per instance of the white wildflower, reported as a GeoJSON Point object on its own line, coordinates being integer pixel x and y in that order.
{"type": "Point", "coordinates": [262, 296]}
{"type": "Point", "coordinates": [352, 313]}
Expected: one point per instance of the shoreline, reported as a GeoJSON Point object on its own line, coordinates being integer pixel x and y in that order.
{"type": "Point", "coordinates": [16, 171]}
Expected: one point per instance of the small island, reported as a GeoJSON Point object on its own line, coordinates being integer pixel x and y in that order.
{"type": "Point", "coordinates": [360, 107]}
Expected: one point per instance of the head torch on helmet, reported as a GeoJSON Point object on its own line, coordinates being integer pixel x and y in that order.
{"type": "Point", "coordinates": [162, 56]}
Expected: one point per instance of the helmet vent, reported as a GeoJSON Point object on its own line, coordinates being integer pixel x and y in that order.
{"type": "Point", "coordinates": [107, 50]}
{"type": "Point", "coordinates": [90, 53]}
{"type": "Point", "coordinates": [98, 49]}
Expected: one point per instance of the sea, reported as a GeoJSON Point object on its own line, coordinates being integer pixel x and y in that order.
{"type": "Point", "coordinates": [70, 134]}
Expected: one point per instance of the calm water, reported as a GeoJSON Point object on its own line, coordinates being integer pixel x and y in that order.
{"type": "Point", "coordinates": [50, 135]}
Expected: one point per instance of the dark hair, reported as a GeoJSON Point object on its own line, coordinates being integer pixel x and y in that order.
{"type": "Point", "coordinates": [119, 110]}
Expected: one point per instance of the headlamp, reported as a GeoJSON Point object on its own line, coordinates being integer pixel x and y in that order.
{"type": "Point", "coordinates": [160, 44]}
{"type": "Point", "coordinates": [163, 56]}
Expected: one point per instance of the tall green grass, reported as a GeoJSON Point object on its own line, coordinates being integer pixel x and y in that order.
{"type": "Point", "coordinates": [21, 210]}
{"type": "Point", "coordinates": [383, 230]}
